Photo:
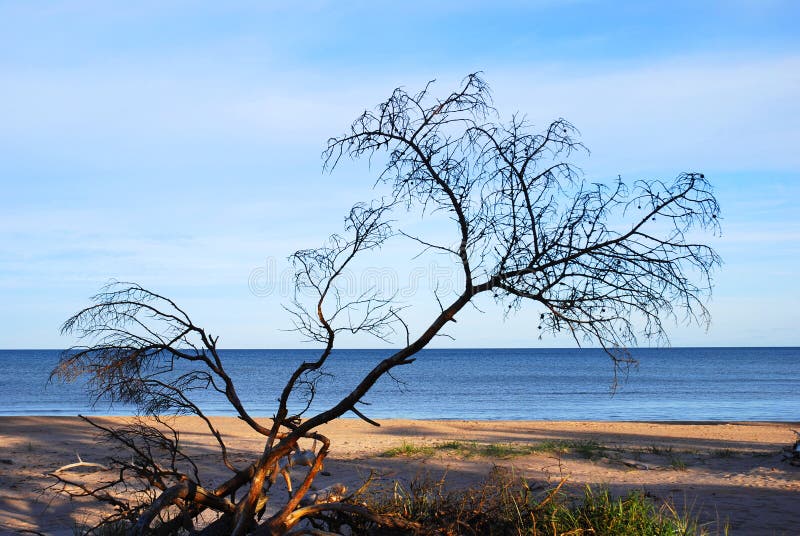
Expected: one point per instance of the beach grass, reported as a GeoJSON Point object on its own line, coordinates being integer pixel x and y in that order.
{"type": "Point", "coordinates": [506, 504]}
{"type": "Point", "coordinates": [409, 450]}
{"type": "Point", "coordinates": [677, 463]}
{"type": "Point", "coordinates": [468, 449]}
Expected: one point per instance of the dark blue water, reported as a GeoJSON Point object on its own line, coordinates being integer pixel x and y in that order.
{"type": "Point", "coordinates": [715, 384]}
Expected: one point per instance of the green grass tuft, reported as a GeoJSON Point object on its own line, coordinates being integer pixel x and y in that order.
{"type": "Point", "coordinates": [468, 449]}
{"type": "Point", "coordinates": [507, 504]}
{"type": "Point", "coordinates": [408, 449]}
{"type": "Point", "coordinates": [677, 463]}
{"type": "Point", "coordinates": [659, 451]}
{"type": "Point", "coordinates": [587, 449]}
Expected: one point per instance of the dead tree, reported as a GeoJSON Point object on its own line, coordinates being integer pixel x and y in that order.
{"type": "Point", "coordinates": [605, 263]}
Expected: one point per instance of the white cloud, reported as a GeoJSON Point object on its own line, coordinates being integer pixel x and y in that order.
{"type": "Point", "coordinates": [694, 112]}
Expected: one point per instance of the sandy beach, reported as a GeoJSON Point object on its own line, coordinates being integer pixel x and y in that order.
{"type": "Point", "coordinates": [725, 473]}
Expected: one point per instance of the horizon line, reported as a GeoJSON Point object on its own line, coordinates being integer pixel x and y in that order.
{"type": "Point", "coordinates": [668, 347]}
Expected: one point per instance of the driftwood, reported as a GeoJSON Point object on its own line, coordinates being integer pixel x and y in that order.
{"type": "Point", "coordinates": [333, 493]}
{"type": "Point", "coordinates": [80, 463]}
{"type": "Point", "coordinates": [635, 464]}
{"type": "Point", "coordinates": [299, 458]}
{"type": "Point", "coordinates": [792, 454]}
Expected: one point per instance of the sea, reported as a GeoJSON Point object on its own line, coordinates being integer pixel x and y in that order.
{"type": "Point", "coordinates": [667, 384]}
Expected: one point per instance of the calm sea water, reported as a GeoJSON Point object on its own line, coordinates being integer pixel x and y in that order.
{"type": "Point", "coordinates": [561, 384]}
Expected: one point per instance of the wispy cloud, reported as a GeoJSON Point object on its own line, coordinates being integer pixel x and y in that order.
{"type": "Point", "coordinates": [698, 113]}
{"type": "Point", "coordinates": [179, 143]}
{"type": "Point", "coordinates": [708, 113]}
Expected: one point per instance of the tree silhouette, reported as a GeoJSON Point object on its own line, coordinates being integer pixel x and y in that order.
{"type": "Point", "coordinates": [605, 263]}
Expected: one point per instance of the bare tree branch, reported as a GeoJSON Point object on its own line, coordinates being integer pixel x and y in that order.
{"type": "Point", "coordinates": [608, 264]}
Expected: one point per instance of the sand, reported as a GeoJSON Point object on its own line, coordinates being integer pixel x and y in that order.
{"type": "Point", "coordinates": [726, 473]}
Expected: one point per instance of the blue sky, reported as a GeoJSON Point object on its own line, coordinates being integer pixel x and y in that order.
{"type": "Point", "coordinates": [177, 144]}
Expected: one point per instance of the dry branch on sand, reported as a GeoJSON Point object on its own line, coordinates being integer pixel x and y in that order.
{"type": "Point", "coordinates": [602, 262]}
{"type": "Point", "coordinates": [80, 464]}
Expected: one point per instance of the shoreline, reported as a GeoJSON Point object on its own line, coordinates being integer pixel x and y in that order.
{"type": "Point", "coordinates": [719, 470]}
{"type": "Point", "coordinates": [688, 422]}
